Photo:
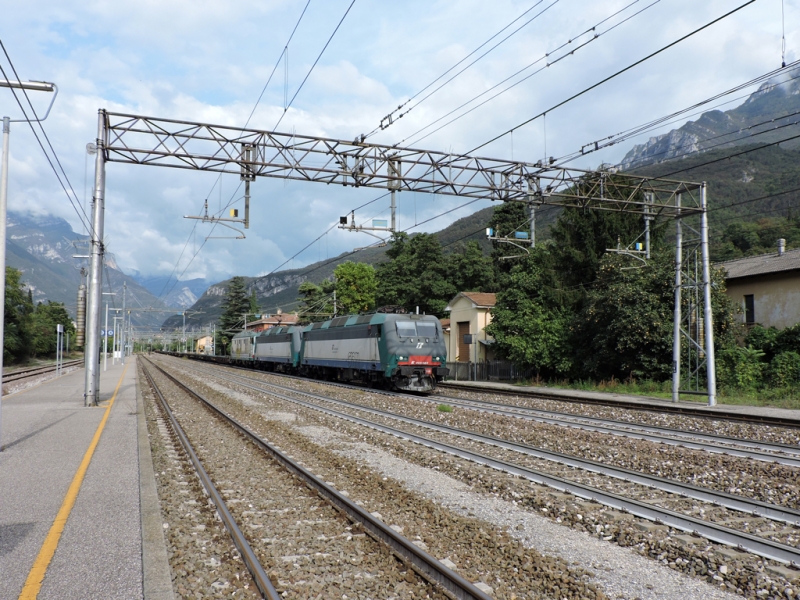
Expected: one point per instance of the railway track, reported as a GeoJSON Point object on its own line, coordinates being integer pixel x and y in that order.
{"type": "Point", "coordinates": [717, 413]}
{"type": "Point", "coordinates": [21, 374]}
{"type": "Point", "coordinates": [343, 515]}
{"type": "Point", "coordinates": [715, 531]}
{"type": "Point", "coordinates": [755, 510]}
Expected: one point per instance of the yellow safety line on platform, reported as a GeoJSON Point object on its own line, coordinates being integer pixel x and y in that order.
{"type": "Point", "coordinates": [36, 575]}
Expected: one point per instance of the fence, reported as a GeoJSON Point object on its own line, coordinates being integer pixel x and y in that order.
{"type": "Point", "coordinates": [492, 370]}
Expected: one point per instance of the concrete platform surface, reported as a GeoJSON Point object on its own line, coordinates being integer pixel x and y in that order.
{"type": "Point", "coordinates": [46, 435]}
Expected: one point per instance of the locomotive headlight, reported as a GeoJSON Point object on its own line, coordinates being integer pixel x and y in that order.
{"type": "Point", "coordinates": [402, 358]}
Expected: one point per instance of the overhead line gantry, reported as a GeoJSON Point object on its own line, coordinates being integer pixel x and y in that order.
{"type": "Point", "coordinates": [251, 153]}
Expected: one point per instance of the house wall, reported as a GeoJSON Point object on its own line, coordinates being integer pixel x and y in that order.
{"type": "Point", "coordinates": [478, 318]}
{"type": "Point", "coordinates": [776, 297]}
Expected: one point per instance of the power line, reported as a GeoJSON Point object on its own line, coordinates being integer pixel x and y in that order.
{"type": "Point", "coordinates": [252, 112]}
{"type": "Point", "coordinates": [399, 108]}
{"type": "Point", "coordinates": [315, 63]}
{"type": "Point", "coordinates": [522, 70]}
{"type": "Point", "coordinates": [610, 77]}
{"type": "Point", "coordinates": [88, 227]}
{"type": "Point", "coordinates": [672, 117]}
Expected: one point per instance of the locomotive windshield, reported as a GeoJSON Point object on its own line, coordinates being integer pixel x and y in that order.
{"type": "Point", "coordinates": [420, 328]}
{"type": "Point", "coordinates": [426, 329]}
{"type": "Point", "coordinates": [406, 329]}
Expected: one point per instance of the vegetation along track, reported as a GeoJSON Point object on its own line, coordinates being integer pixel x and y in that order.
{"type": "Point", "coordinates": [365, 571]}
{"type": "Point", "coordinates": [755, 533]}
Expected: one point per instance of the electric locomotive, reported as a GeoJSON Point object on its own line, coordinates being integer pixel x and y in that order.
{"type": "Point", "coordinates": [402, 351]}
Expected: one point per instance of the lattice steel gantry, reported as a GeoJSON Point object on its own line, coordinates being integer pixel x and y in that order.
{"type": "Point", "coordinates": [136, 139]}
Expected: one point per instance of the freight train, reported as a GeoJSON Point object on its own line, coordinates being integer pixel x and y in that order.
{"type": "Point", "coordinates": [393, 351]}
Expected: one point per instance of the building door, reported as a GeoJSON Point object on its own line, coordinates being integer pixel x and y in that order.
{"type": "Point", "coordinates": [463, 349]}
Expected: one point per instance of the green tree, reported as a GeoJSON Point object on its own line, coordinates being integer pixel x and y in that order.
{"type": "Point", "coordinates": [253, 307]}
{"type": "Point", "coordinates": [470, 270]}
{"type": "Point", "coordinates": [527, 328]}
{"type": "Point", "coordinates": [625, 329]}
{"type": "Point", "coordinates": [18, 337]}
{"type": "Point", "coordinates": [317, 300]}
{"type": "Point", "coordinates": [234, 307]}
{"type": "Point", "coordinates": [44, 320]}
{"type": "Point", "coordinates": [416, 275]}
{"type": "Point", "coordinates": [355, 287]}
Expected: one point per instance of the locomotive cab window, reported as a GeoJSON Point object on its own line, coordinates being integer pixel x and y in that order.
{"type": "Point", "coordinates": [427, 329]}
{"type": "Point", "coordinates": [406, 329]}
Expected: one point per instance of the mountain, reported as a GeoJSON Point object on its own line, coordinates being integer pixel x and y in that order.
{"type": "Point", "coordinates": [181, 294]}
{"type": "Point", "coordinates": [777, 102]}
{"type": "Point", "coordinates": [42, 247]}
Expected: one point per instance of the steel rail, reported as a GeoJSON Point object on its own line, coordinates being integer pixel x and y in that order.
{"type": "Point", "coordinates": [260, 576]}
{"type": "Point", "coordinates": [711, 531]}
{"type": "Point", "coordinates": [733, 502]}
{"type": "Point", "coordinates": [423, 563]}
{"type": "Point", "coordinates": [715, 412]}
{"type": "Point", "coordinates": [694, 440]}
{"type": "Point", "coordinates": [25, 373]}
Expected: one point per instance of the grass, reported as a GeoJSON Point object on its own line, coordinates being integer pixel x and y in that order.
{"type": "Point", "coordinates": [786, 397]}
{"type": "Point", "coordinates": [444, 408]}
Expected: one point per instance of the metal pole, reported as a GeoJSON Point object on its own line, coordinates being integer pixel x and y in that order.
{"type": "Point", "coordinates": [92, 382]}
{"type": "Point", "coordinates": [122, 329]}
{"type": "Point", "coordinates": [3, 210]}
{"type": "Point", "coordinates": [708, 313]}
{"type": "Point", "coordinates": [183, 335]}
{"type": "Point", "coordinates": [676, 327]}
{"type": "Point", "coordinates": [105, 343]}
{"type": "Point", "coordinates": [394, 214]}
{"type": "Point", "coordinates": [533, 225]}
{"type": "Point", "coordinates": [247, 204]}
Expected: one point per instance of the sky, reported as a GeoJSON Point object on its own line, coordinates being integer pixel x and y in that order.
{"type": "Point", "coordinates": [209, 61]}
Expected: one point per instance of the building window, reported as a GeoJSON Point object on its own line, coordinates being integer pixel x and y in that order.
{"type": "Point", "coordinates": [749, 309]}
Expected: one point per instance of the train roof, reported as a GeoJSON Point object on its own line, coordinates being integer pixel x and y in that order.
{"type": "Point", "coordinates": [371, 319]}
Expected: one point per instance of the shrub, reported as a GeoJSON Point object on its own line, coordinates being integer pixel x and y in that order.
{"type": "Point", "coordinates": [740, 368]}
{"type": "Point", "coordinates": [784, 370]}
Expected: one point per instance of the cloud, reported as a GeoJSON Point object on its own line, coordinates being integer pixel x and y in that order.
{"type": "Point", "coordinates": [208, 61]}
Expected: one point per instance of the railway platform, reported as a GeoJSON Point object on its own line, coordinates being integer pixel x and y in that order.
{"type": "Point", "coordinates": [79, 515]}
{"type": "Point", "coordinates": [609, 398]}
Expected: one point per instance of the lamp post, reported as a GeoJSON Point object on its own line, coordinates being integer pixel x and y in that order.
{"type": "Point", "coordinates": [36, 86]}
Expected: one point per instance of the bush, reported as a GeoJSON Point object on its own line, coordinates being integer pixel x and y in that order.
{"type": "Point", "coordinates": [764, 339]}
{"type": "Point", "coordinates": [740, 368]}
{"type": "Point", "coordinates": [784, 370]}
{"type": "Point", "coordinates": [788, 340]}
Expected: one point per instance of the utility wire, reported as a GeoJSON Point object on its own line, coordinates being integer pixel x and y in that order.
{"type": "Point", "coordinates": [643, 128]}
{"type": "Point", "coordinates": [252, 112]}
{"type": "Point", "coordinates": [522, 70]}
{"type": "Point", "coordinates": [315, 63]}
{"type": "Point", "coordinates": [399, 108]}
{"type": "Point", "coordinates": [616, 74]}
{"type": "Point", "coordinates": [87, 227]}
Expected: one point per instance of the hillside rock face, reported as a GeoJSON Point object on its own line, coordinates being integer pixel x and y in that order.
{"type": "Point", "coordinates": [42, 246]}
{"type": "Point", "coordinates": [766, 116]}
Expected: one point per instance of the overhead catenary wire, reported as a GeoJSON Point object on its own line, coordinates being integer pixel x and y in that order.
{"type": "Point", "coordinates": [614, 75]}
{"type": "Point", "coordinates": [390, 118]}
{"type": "Point", "coordinates": [247, 122]}
{"type": "Point", "coordinates": [546, 57]}
{"type": "Point", "coordinates": [627, 134]}
{"type": "Point", "coordinates": [85, 221]}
